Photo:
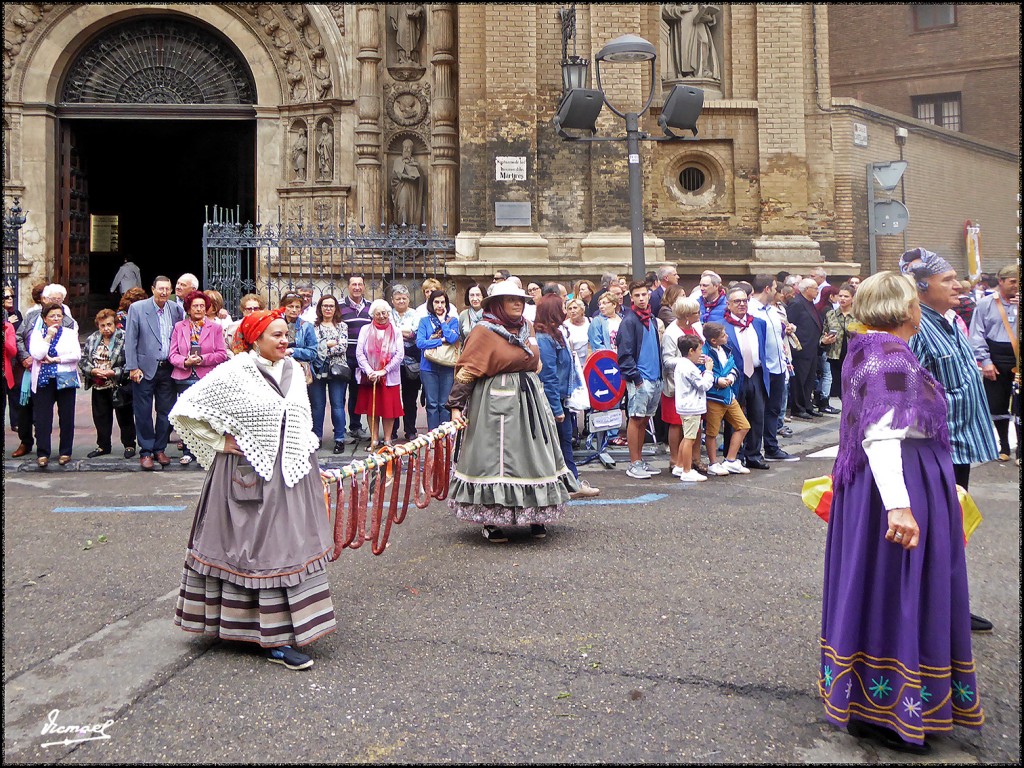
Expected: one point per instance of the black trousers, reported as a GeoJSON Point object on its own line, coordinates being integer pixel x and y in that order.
{"type": "Point", "coordinates": [752, 399]}
{"type": "Point", "coordinates": [44, 399]}
{"type": "Point", "coordinates": [962, 475]}
{"type": "Point", "coordinates": [410, 393]}
{"type": "Point", "coordinates": [999, 392]}
{"type": "Point", "coordinates": [355, 421]}
{"type": "Point", "coordinates": [103, 412]}
{"type": "Point", "coordinates": [774, 405]}
{"type": "Point", "coordinates": [805, 369]}
{"type": "Point", "coordinates": [21, 415]}
{"type": "Point", "coordinates": [160, 392]}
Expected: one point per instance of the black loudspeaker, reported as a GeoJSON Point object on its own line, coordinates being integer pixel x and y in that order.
{"type": "Point", "coordinates": [682, 108]}
{"type": "Point", "coordinates": [579, 110]}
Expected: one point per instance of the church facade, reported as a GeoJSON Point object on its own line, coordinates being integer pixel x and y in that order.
{"type": "Point", "coordinates": [134, 119]}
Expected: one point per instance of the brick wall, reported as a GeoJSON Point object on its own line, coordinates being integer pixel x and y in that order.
{"type": "Point", "coordinates": [979, 57]}
{"type": "Point", "coordinates": [948, 181]}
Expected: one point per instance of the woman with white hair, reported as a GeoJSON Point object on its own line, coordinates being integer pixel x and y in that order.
{"type": "Point", "coordinates": [379, 353]}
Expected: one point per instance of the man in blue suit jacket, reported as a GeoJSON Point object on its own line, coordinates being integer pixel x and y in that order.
{"type": "Point", "coordinates": [747, 338]}
{"type": "Point", "coordinates": [147, 342]}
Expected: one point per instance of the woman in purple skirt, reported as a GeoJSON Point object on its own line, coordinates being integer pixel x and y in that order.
{"type": "Point", "coordinates": [896, 661]}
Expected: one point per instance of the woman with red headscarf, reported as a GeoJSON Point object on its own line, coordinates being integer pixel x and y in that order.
{"type": "Point", "coordinates": [255, 567]}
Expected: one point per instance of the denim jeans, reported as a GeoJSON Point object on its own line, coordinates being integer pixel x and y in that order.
{"type": "Point", "coordinates": [565, 440]}
{"type": "Point", "coordinates": [437, 385]}
{"type": "Point", "coordinates": [319, 391]}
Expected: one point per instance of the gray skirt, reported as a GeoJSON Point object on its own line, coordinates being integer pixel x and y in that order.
{"type": "Point", "coordinates": [255, 568]}
{"type": "Point", "coordinates": [510, 469]}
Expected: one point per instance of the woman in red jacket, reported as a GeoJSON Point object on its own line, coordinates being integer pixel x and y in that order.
{"type": "Point", "coordinates": [197, 346]}
{"type": "Point", "coordinates": [10, 354]}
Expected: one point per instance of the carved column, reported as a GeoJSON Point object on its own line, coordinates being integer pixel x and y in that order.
{"type": "Point", "coordinates": [368, 107]}
{"type": "Point", "coordinates": [444, 164]}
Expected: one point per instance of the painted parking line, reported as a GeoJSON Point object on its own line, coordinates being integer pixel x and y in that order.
{"type": "Point", "coordinates": [120, 509]}
{"type": "Point", "coordinates": [645, 499]}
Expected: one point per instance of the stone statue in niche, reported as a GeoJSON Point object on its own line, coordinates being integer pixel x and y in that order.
{"type": "Point", "coordinates": [299, 151]}
{"type": "Point", "coordinates": [407, 22]}
{"type": "Point", "coordinates": [407, 188]}
{"type": "Point", "coordinates": [692, 50]}
{"type": "Point", "coordinates": [325, 152]}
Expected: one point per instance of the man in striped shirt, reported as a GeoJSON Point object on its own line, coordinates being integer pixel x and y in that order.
{"type": "Point", "coordinates": [947, 354]}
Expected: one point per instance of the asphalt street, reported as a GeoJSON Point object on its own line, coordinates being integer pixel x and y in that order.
{"type": "Point", "coordinates": [667, 623]}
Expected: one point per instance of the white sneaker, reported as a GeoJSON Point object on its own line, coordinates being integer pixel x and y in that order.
{"type": "Point", "coordinates": [637, 472]}
{"type": "Point", "coordinates": [693, 476]}
{"type": "Point", "coordinates": [586, 490]}
{"type": "Point", "coordinates": [648, 468]}
{"type": "Point", "coordinates": [678, 471]}
{"type": "Point", "coordinates": [735, 467]}
{"type": "Point", "coordinates": [718, 470]}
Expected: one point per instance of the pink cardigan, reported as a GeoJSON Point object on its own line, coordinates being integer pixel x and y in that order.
{"type": "Point", "coordinates": [394, 366]}
{"type": "Point", "coordinates": [211, 347]}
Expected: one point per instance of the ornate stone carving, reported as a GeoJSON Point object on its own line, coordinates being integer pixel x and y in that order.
{"type": "Point", "coordinates": [692, 48]}
{"type": "Point", "coordinates": [408, 183]}
{"type": "Point", "coordinates": [406, 105]}
{"type": "Point", "coordinates": [338, 13]}
{"type": "Point", "coordinates": [406, 24]}
{"type": "Point", "coordinates": [325, 151]}
{"type": "Point", "coordinates": [18, 24]}
{"type": "Point", "coordinates": [300, 150]}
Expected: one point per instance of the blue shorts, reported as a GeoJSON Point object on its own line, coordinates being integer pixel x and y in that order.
{"type": "Point", "coordinates": [644, 398]}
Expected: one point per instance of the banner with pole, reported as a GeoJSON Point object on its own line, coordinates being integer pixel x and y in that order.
{"type": "Point", "coordinates": [972, 236]}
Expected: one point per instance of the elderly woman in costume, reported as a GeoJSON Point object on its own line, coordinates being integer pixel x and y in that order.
{"type": "Point", "coordinates": [255, 567]}
{"type": "Point", "coordinates": [896, 661]}
{"type": "Point", "coordinates": [379, 353]}
{"type": "Point", "coordinates": [510, 469]}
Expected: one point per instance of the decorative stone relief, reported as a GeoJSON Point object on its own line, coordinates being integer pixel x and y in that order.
{"type": "Point", "coordinates": [325, 150]}
{"type": "Point", "coordinates": [406, 104]}
{"type": "Point", "coordinates": [299, 46]}
{"type": "Point", "coordinates": [407, 181]}
{"type": "Point", "coordinates": [18, 24]}
{"type": "Point", "coordinates": [299, 150]}
{"type": "Point", "coordinates": [406, 24]}
{"type": "Point", "coordinates": [693, 46]}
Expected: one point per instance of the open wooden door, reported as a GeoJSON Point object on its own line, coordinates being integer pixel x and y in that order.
{"type": "Point", "coordinates": [72, 258]}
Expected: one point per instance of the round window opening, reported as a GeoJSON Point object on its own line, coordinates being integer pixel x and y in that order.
{"type": "Point", "coordinates": [692, 179]}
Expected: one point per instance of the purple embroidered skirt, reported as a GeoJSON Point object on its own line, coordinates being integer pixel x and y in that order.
{"type": "Point", "coordinates": [895, 624]}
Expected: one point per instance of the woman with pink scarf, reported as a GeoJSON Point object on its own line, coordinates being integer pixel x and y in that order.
{"type": "Point", "coordinates": [379, 353]}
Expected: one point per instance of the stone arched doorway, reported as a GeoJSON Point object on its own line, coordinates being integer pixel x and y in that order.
{"type": "Point", "coordinates": [155, 118]}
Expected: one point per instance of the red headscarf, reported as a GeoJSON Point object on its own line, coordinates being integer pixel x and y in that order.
{"type": "Point", "coordinates": [253, 326]}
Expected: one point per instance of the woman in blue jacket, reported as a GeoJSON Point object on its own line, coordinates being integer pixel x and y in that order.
{"type": "Point", "coordinates": [437, 328]}
{"type": "Point", "coordinates": [559, 377]}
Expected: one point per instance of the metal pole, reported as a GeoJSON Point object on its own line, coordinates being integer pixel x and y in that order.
{"type": "Point", "coordinates": [636, 207]}
{"type": "Point", "coordinates": [872, 250]}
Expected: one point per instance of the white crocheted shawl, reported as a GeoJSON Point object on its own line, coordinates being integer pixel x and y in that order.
{"type": "Point", "coordinates": [236, 399]}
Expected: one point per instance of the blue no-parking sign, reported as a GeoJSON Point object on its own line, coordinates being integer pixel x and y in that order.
{"type": "Point", "coordinates": [604, 382]}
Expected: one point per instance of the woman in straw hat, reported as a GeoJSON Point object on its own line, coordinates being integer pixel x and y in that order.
{"type": "Point", "coordinates": [255, 568]}
{"type": "Point", "coordinates": [510, 469]}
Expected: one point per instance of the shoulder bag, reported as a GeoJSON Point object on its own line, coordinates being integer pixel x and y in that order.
{"type": "Point", "coordinates": [446, 355]}
{"type": "Point", "coordinates": [338, 370]}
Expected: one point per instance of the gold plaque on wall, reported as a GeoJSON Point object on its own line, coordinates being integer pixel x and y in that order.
{"type": "Point", "coordinates": [103, 233]}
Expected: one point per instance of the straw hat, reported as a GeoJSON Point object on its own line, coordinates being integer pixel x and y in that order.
{"type": "Point", "coordinates": [505, 288]}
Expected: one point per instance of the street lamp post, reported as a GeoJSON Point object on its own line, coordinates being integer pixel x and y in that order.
{"type": "Point", "coordinates": [580, 107]}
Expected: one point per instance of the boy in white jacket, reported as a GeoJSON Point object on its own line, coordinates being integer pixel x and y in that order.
{"type": "Point", "coordinates": [692, 384]}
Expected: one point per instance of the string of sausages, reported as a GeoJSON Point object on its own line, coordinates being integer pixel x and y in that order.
{"type": "Point", "coordinates": [372, 494]}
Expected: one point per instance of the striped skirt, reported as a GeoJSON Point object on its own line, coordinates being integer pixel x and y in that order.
{"type": "Point", "coordinates": [272, 617]}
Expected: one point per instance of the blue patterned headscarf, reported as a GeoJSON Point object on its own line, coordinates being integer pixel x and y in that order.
{"type": "Point", "coordinates": [922, 264]}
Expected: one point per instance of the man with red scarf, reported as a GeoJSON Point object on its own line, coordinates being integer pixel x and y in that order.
{"type": "Point", "coordinates": [711, 299]}
{"type": "Point", "coordinates": [639, 351]}
{"type": "Point", "coordinates": [748, 337]}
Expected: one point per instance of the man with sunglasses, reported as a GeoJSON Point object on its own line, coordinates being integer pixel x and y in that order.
{"type": "Point", "coordinates": [747, 339]}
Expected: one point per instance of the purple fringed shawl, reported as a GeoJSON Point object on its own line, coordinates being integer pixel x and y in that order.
{"type": "Point", "coordinates": [880, 374]}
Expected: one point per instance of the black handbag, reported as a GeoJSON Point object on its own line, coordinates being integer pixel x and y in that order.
{"type": "Point", "coordinates": [338, 370]}
{"type": "Point", "coordinates": [122, 395]}
{"type": "Point", "coordinates": [411, 366]}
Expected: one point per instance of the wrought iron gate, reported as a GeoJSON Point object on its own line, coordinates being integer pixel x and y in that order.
{"type": "Point", "coordinates": [274, 259]}
{"type": "Point", "coordinates": [13, 220]}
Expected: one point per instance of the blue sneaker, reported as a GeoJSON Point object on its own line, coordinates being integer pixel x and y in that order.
{"type": "Point", "coordinates": [289, 657]}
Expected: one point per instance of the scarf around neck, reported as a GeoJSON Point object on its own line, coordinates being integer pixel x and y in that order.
{"type": "Point", "coordinates": [742, 323]}
{"type": "Point", "coordinates": [644, 316]}
{"type": "Point", "coordinates": [518, 339]}
{"type": "Point", "coordinates": [379, 344]}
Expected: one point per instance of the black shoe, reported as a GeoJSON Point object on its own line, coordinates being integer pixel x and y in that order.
{"type": "Point", "coordinates": [781, 456]}
{"type": "Point", "coordinates": [494, 534]}
{"type": "Point", "coordinates": [886, 737]}
{"type": "Point", "coordinates": [538, 531]}
{"type": "Point", "coordinates": [829, 410]}
{"type": "Point", "coordinates": [97, 452]}
{"type": "Point", "coordinates": [129, 453]}
{"type": "Point", "coordinates": [785, 432]}
{"type": "Point", "coordinates": [289, 658]}
{"type": "Point", "coordinates": [339, 446]}
{"type": "Point", "coordinates": [815, 413]}
{"type": "Point", "coordinates": [756, 463]}
{"type": "Point", "coordinates": [802, 415]}
{"type": "Point", "coordinates": [980, 625]}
